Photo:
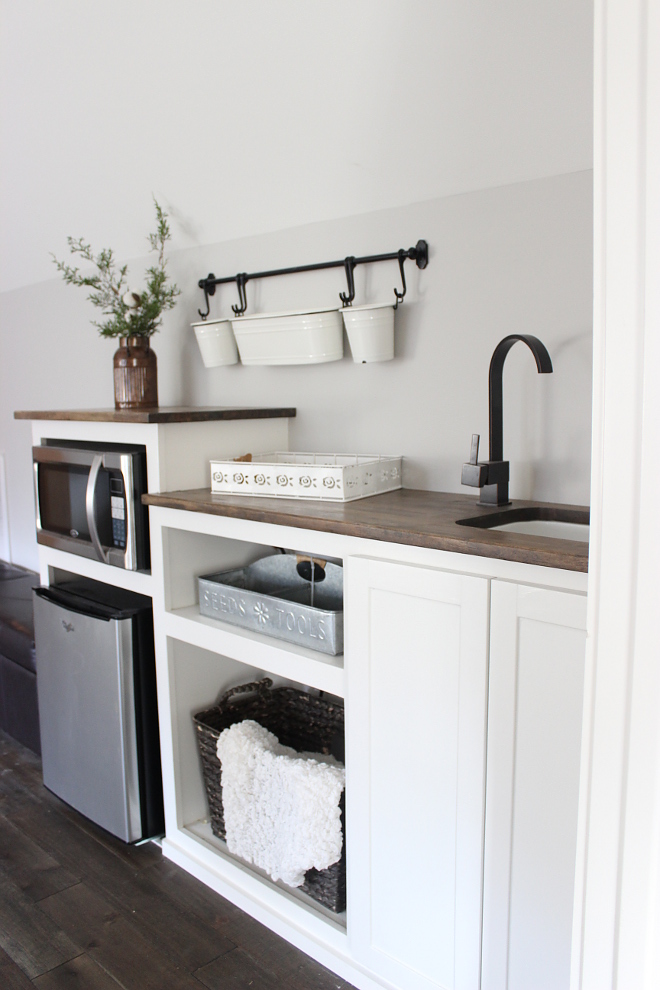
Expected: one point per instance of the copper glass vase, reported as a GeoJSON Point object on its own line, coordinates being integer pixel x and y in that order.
{"type": "Point", "coordinates": [136, 374]}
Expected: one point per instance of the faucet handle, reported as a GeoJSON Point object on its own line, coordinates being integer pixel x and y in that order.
{"type": "Point", "coordinates": [474, 474]}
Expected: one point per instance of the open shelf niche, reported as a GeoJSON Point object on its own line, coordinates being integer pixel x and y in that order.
{"type": "Point", "coordinates": [189, 555]}
{"type": "Point", "coordinates": [199, 678]}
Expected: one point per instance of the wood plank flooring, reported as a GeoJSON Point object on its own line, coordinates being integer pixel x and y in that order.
{"type": "Point", "coordinates": [80, 909]}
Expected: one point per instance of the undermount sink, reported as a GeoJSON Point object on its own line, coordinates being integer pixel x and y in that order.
{"type": "Point", "coordinates": [547, 527]}
{"type": "Point", "coordinates": [532, 520]}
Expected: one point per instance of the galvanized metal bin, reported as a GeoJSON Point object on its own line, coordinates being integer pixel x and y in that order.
{"type": "Point", "coordinates": [271, 597]}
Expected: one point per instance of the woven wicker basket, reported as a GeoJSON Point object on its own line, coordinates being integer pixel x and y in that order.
{"type": "Point", "coordinates": [300, 720]}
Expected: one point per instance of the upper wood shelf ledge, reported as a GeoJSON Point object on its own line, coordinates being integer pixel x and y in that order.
{"type": "Point", "coordinates": [163, 414]}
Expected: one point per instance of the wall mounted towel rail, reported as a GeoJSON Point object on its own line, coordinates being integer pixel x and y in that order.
{"type": "Point", "coordinates": [419, 254]}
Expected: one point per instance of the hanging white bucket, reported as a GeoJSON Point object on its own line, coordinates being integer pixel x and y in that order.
{"type": "Point", "coordinates": [370, 332]}
{"type": "Point", "coordinates": [216, 343]}
{"type": "Point", "coordinates": [296, 337]}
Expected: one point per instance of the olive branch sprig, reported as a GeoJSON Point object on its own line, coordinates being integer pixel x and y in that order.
{"type": "Point", "coordinates": [130, 314]}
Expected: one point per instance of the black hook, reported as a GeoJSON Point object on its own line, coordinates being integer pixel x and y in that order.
{"type": "Point", "coordinates": [241, 279]}
{"type": "Point", "coordinates": [349, 266]}
{"type": "Point", "coordinates": [399, 295]}
{"type": "Point", "coordinates": [208, 285]}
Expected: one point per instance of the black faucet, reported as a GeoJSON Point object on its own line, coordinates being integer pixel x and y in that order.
{"type": "Point", "coordinates": [492, 476]}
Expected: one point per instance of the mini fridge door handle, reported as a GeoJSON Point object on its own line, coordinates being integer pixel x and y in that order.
{"type": "Point", "coordinates": [88, 609]}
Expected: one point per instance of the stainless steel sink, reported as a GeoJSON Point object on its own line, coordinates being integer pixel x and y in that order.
{"type": "Point", "coordinates": [547, 527]}
{"type": "Point", "coordinates": [536, 520]}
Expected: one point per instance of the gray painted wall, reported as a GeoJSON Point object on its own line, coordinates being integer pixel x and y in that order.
{"type": "Point", "coordinates": [516, 258]}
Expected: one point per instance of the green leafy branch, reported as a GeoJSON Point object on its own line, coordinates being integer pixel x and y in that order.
{"type": "Point", "coordinates": [130, 314]}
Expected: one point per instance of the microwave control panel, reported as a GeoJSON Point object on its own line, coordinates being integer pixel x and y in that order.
{"type": "Point", "coordinates": [118, 510]}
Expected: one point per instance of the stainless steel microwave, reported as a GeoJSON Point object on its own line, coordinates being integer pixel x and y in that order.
{"type": "Point", "coordinates": [89, 501]}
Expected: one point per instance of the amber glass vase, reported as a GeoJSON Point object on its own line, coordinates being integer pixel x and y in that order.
{"type": "Point", "coordinates": [136, 374]}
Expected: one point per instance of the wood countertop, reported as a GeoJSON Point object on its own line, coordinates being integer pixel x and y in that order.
{"type": "Point", "coordinates": [162, 414]}
{"type": "Point", "coordinates": [414, 518]}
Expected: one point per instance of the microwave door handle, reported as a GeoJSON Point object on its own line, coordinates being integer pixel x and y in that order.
{"type": "Point", "coordinates": [97, 463]}
{"type": "Point", "coordinates": [126, 468]}
{"type": "Point", "coordinates": [37, 507]}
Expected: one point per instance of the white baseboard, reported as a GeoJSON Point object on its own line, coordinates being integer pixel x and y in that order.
{"type": "Point", "coordinates": [5, 551]}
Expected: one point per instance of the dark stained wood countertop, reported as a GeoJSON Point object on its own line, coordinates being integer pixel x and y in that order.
{"type": "Point", "coordinates": [162, 414]}
{"type": "Point", "coordinates": [415, 518]}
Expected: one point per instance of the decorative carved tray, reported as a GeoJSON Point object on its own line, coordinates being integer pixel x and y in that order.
{"type": "Point", "coordinates": [330, 477]}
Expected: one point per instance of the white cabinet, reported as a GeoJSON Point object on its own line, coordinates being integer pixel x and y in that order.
{"type": "Point", "coordinates": [462, 680]}
{"type": "Point", "coordinates": [537, 648]}
{"type": "Point", "coordinates": [416, 680]}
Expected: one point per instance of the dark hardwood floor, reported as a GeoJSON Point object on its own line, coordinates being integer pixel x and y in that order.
{"type": "Point", "coordinates": [79, 908]}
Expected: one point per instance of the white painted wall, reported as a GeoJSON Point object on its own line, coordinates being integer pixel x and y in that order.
{"type": "Point", "coordinates": [256, 116]}
{"type": "Point", "coordinates": [5, 551]}
{"type": "Point", "coordinates": [282, 134]}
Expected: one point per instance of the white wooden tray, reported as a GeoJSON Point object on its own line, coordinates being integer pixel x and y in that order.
{"type": "Point", "coordinates": [330, 477]}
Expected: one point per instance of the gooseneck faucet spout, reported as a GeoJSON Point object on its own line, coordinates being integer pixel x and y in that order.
{"type": "Point", "coordinates": [492, 476]}
{"type": "Point", "coordinates": [495, 373]}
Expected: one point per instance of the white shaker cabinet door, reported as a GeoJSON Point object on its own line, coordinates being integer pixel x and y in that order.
{"type": "Point", "coordinates": [537, 649]}
{"type": "Point", "coordinates": [416, 674]}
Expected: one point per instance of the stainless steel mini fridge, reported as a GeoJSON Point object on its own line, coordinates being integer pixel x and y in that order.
{"type": "Point", "coordinates": [96, 682]}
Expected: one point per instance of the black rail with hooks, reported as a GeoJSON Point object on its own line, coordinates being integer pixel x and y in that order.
{"type": "Point", "coordinates": [419, 254]}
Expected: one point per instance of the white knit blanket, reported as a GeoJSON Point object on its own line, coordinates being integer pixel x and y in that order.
{"type": "Point", "coordinates": [281, 807]}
